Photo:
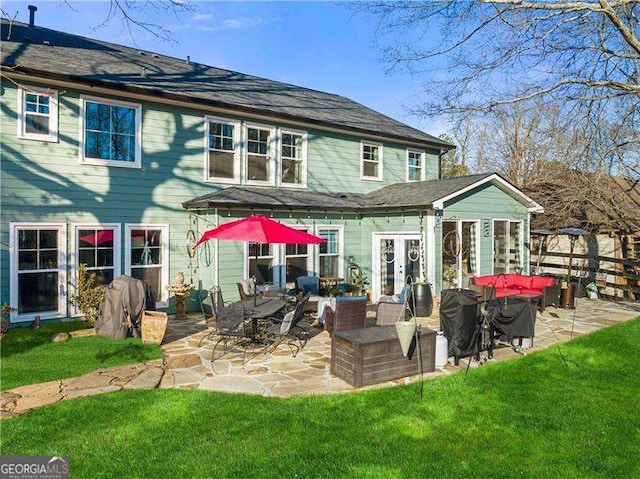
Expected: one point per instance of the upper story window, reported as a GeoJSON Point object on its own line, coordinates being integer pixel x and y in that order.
{"type": "Point", "coordinates": [38, 114]}
{"type": "Point", "coordinates": [111, 132]}
{"type": "Point", "coordinates": [222, 151]}
{"type": "Point", "coordinates": [415, 165]}
{"type": "Point", "coordinates": [371, 161]}
{"type": "Point", "coordinates": [293, 157]}
{"type": "Point", "coordinates": [259, 163]}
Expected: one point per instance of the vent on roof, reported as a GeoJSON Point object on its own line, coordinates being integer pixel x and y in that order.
{"type": "Point", "coordinates": [47, 43]}
{"type": "Point", "coordinates": [155, 55]}
{"type": "Point", "coordinates": [188, 59]}
{"type": "Point", "coordinates": [32, 15]}
{"type": "Point", "coordinates": [27, 39]}
{"type": "Point", "coordinates": [340, 195]}
{"type": "Point", "coordinates": [141, 53]}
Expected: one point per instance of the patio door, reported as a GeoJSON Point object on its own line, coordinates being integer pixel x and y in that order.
{"type": "Point", "coordinates": [38, 271]}
{"type": "Point", "coordinates": [395, 257]}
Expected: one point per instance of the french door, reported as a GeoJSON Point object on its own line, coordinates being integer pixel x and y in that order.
{"type": "Point", "coordinates": [395, 257]}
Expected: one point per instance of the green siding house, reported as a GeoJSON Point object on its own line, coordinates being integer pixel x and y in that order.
{"type": "Point", "coordinates": [121, 159]}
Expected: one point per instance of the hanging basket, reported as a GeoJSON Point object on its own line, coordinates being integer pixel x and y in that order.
{"type": "Point", "coordinates": [154, 325]}
{"type": "Point", "coordinates": [405, 331]}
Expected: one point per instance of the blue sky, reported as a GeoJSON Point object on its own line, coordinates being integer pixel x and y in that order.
{"type": "Point", "coordinates": [319, 45]}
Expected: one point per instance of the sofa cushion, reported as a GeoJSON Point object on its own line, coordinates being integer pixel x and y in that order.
{"type": "Point", "coordinates": [517, 280]}
{"type": "Point", "coordinates": [541, 281]}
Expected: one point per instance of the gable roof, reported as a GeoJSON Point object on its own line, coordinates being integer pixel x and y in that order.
{"type": "Point", "coordinates": [417, 195]}
{"type": "Point", "coordinates": [57, 55]}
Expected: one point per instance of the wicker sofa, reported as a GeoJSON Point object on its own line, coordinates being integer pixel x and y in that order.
{"type": "Point", "coordinates": [507, 285]}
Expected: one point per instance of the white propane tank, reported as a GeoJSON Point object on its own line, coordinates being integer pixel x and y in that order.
{"type": "Point", "coordinates": [442, 347]}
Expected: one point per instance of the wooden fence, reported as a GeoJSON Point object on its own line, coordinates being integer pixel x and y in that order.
{"type": "Point", "coordinates": [614, 277]}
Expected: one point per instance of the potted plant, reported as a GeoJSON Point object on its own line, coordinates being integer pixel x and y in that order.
{"type": "Point", "coordinates": [449, 276]}
{"type": "Point", "coordinates": [358, 282]}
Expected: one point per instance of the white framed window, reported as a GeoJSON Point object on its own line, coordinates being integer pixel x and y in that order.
{"type": "Point", "coordinates": [262, 266]}
{"type": "Point", "coordinates": [38, 262]}
{"type": "Point", "coordinates": [415, 165]}
{"type": "Point", "coordinates": [330, 253]}
{"type": "Point", "coordinates": [38, 114]}
{"type": "Point", "coordinates": [371, 161]}
{"type": "Point", "coordinates": [222, 162]}
{"type": "Point", "coordinates": [293, 158]}
{"type": "Point", "coordinates": [147, 257]}
{"type": "Point", "coordinates": [259, 164]}
{"type": "Point", "coordinates": [97, 246]}
{"type": "Point", "coordinates": [111, 133]}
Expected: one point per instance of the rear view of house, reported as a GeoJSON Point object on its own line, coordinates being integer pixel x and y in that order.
{"type": "Point", "coordinates": [121, 159]}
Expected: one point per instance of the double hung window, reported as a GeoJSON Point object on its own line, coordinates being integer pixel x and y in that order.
{"type": "Point", "coordinates": [111, 133]}
{"type": "Point", "coordinates": [262, 266]}
{"type": "Point", "coordinates": [147, 256]}
{"type": "Point", "coordinates": [98, 247]}
{"type": "Point", "coordinates": [222, 151]}
{"type": "Point", "coordinates": [371, 161]}
{"type": "Point", "coordinates": [38, 114]}
{"type": "Point", "coordinates": [329, 252]}
{"type": "Point", "coordinates": [415, 165]}
{"type": "Point", "coordinates": [259, 167]}
{"type": "Point", "coordinates": [293, 158]}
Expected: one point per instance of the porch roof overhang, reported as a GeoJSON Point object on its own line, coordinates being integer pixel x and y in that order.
{"type": "Point", "coordinates": [416, 196]}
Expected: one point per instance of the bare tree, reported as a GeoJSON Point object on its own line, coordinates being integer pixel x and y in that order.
{"type": "Point", "coordinates": [476, 56]}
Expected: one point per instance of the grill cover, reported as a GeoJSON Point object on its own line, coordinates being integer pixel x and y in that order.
{"type": "Point", "coordinates": [459, 320]}
{"type": "Point", "coordinates": [120, 312]}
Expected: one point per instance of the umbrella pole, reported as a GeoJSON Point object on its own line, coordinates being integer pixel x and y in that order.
{"type": "Point", "coordinates": [255, 287]}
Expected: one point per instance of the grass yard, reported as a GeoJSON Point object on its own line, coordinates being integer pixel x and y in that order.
{"type": "Point", "coordinates": [571, 411]}
{"type": "Point", "coordinates": [28, 356]}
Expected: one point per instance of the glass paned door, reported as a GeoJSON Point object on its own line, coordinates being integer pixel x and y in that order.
{"type": "Point", "coordinates": [396, 257]}
{"type": "Point", "coordinates": [39, 266]}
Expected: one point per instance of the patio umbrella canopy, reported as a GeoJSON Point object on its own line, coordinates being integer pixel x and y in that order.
{"type": "Point", "coordinates": [259, 229]}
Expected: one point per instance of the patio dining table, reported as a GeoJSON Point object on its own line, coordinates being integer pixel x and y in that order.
{"type": "Point", "coordinates": [262, 309]}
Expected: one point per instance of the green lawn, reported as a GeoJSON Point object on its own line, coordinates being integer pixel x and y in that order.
{"type": "Point", "coordinates": [28, 356]}
{"type": "Point", "coordinates": [568, 412]}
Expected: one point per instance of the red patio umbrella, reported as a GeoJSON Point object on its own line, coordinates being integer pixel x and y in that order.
{"type": "Point", "coordinates": [260, 229]}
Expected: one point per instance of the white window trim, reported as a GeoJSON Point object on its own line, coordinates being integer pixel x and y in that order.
{"type": "Point", "coordinates": [305, 142]}
{"type": "Point", "coordinates": [62, 271]}
{"type": "Point", "coordinates": [508, 236]}
{"type": "Point", "coordinates": [74, 257]}
{"type": "Point", "coordinates": [270, 153]}
{"type": "Point", "coordinates": [53, 114]}
{"type": "Point", "coordinates": [237, 149]}
{"type": "Point", "coordinates": [340, 228]}
{"type": "Point", "coordinates": [111, 163]}
{"type": "Point", "coordinates": [380, 160]}
{"type": "Point", "coordinates": [422, 154]}
{"type": "Point", "coordinates": [164, 295]}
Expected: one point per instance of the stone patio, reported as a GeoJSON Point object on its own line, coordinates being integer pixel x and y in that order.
{"type": "Point", "coordinates": [187, 363]}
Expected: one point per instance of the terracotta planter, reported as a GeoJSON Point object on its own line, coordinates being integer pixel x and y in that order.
{"type": "Point", "coordinates": [154, 325]}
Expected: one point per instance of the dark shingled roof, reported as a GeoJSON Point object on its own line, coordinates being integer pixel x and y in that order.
{"type": "Point", "coordinates": [401, 195]}
{"type": "Point", "coordinates": [58, 55]}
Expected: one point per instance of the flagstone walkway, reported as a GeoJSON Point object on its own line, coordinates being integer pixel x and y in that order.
{"type": "Point", "coordinates": [187, 363]}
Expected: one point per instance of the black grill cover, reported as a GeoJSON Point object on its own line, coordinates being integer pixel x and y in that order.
{"type": "Point", "coordinates": [458, 320]}
{"type": "Point", "coordinates": [512, 317]}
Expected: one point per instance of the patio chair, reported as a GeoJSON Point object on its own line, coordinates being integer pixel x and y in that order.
{"type": "Point", "coordinates": [231, 325]}
{"type": "Point", "coordinates": [350, 313]}
{"type": "Point", "coordinates": [210, 301]}
{"type": "Point", "coordinates": [311, 285]}
{"type": "Point", "coordinates": [289, 329]}
{"type": "Point", "coordinates": [246, 289]}
{"type": "Point", "coordinates": [390, 313]}
{"type": "Point", "coordinates": [403, 298]}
